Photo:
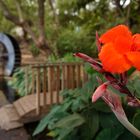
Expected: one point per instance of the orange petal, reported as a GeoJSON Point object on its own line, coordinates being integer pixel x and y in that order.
{"type": "Point", "coordinates": [134, 58]}
{"type": "Point", "coordinates": [113, 61]}
{"type": "Point", "coordinates": [136, 42]}
{"type": "Point", "coordinates": [111, 34]}
{"type": "Point", "coordinates": [123, 44]}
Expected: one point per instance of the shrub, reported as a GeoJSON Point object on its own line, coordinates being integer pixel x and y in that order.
{"type": "Point", "coordinates": [77, 118]}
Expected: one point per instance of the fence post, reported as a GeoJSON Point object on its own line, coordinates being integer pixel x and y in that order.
{"type": "Point", "coordinates": [44, 86]}
{"type": "Point", "coordinates": [38, 91]}
{"type": "Point", "coordinates": [33, 80]}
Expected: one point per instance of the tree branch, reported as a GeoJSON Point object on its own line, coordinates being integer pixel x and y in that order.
{"type": "Point", "coordinates": [19, 9]}
{"type": "Point", "coordinates": [54, 12]}
{"type": "Point", "coordinates": [41, 15]}
{"type": "Point", "coordinates": [20, 21]}
{"type": "Point", "coordinates": [8, 15]}
{"type": "Point", "coordinates": [124, 3]}
{"type": "Point", "coordinates": [128, 13]}
{"type": "Point", "coordinates": [119, 8]}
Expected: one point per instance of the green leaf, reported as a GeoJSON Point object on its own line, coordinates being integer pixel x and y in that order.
{"type": "Point", "coordinates": [130, 71]}
{"type": "Point", "coordinates": [136, 120]}
{"type": "Point", "coordinates": [51, 134]}
{"type": "Point", "coordinates": [77, 105]}
{"type": "Point", "coordinates": [108, 120]}
{"type": "Point", "coordinates": [64, 133]}
{"type": "Point", "coordinates": [66, 106]}
{"type": "Point", "coordinates": [133, 85]}
{"type": "Point", "coordinates": [91, 126]}
{"type": "Point", "coordinates": [46, 120]}
{"type": "Point", "coordinates": [109, 134]}
{"type": "Point", "coordinates": [71, 121]}
{"type": "Point", "coordinates": [100, 105]}
{"type": "Point", "coordinates": [105, 134]}
{"type": "Point", "coordinates": [66, 125]}
{"type": "Point", "coordinates": [127, 136]}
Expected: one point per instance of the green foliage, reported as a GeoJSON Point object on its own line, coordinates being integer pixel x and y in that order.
{"type": "Point", "coordinates": [77, 21]}
{"type": "Point", "coordinates": [91, 126]}
{"type": "Point", "coordinates": [5, 26]}
{"type": "Point", "coordinates": [68, 57]}
{"type": "Point", "coordinates": [34, 50]}
{"type": "Point", "coordinates": [20, 80]}
{"type": "Point", "coordinates": [81, 19]}
{"type": "Point", "coordinates": [127, 136]}
{"type": "Point", "coordinates": [134, 86]}
{"type": "Point", "coordinates": [75, 40]}
{"type": "Point", "coordinates": [136, 120]}
{"type": "Point", "coordinates": [109, 134]}
{"type": "Point", "coordinates": [108, 120]}
{"type": "Point", "coordinates": [75, 101]}
{"type": "Point", "coordinates": [73, 121]}
{"type": "Point", "coordinates": [78, 118]}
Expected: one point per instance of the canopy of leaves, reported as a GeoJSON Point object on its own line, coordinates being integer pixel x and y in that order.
{"type": "Point", "coordinates": [71, 25]}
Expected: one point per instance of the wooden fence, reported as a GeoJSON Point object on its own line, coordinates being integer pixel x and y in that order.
{"type": "Point", "coordinates": [50, 79]}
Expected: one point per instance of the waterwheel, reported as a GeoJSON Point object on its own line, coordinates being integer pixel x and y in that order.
{"type": "Point", "coordinates": [10, 55]}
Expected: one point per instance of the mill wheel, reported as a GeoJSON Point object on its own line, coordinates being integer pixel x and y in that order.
{"type": "Point", "coordinates": [10, 53]}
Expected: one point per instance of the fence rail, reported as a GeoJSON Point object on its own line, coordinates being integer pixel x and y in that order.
{"type": "Point", "coordinates": [48, 80]}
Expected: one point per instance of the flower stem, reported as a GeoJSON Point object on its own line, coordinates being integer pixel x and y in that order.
{"type": "Point", "coordinates": [124, 121]}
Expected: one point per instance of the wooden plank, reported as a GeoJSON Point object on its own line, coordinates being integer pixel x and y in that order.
{"type": "Point", "coordinates": [50, 79]}
{"type": "Point", "coordinates": [26, 80]}
{"type": "Point", "coordinates": [19, 108]}
{"type": "Point", "coordinates": [78, 76]}
{"type": "Point", "coordinates": [54, 84]}
{"type": "Point", "coordinates": [27, 104]}
{"type": "Point", "coordinates": [33, 81]}
{"type": "Point", "coordinates": [49, 85]}
{"type": "Point", "coordinates": [7, 121]}
{"type": "Point", "coordinates": [84, 75]}
{"type": "Point", "coordinates": [38, 82]}
{"type": "Point", "coordinates": [63, 83]}
{"type": "Point", "coordinates": [58, 76]}
{"type": "Point", "coordinates": [72, 76]}
{"type": "Point", "coordinates": [67, 77]}
{"type": "Point", "coordinates": [15, 134]}
{"type": "Point", "coordinates": [32, 99]}
{"type": "Point", "coordinates": [11, 113]}
{"type": "Point", "coordinates": [54, 97]}
{"type": "Point", "coordinates": [44, 85]}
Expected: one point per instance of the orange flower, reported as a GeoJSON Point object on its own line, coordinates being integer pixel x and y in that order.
{"type": "Point", "coordinates": [120, 50]}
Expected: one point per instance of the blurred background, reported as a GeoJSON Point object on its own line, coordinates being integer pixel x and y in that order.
{"type": "Point", "coordinates": [56, 28]}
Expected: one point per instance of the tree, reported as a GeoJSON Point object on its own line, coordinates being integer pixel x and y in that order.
{"type": "Point", "coordinates": [57, 25]}
{"type": "Point", "coordinates": [20, 14]}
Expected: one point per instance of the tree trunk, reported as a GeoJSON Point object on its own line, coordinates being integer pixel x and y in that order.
{"type": "Point", "coordinates": [39, 40]}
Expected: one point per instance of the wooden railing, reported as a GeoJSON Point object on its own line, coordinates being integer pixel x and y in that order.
{"type": "Point", "coordinates": [50, 79]}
